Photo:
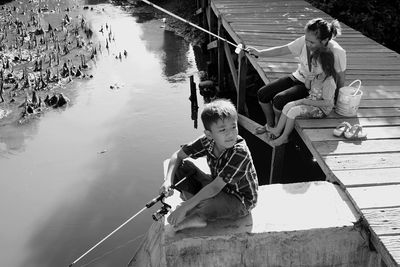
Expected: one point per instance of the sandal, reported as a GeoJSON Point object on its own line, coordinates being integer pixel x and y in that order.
{"type": "Point", "coordinates": [341, 129]}
{"type": "Point", "coordinates": [355, 133]}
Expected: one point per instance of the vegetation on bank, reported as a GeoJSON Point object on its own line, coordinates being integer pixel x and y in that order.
{"type": "Point", "coordinates": [377, 19]}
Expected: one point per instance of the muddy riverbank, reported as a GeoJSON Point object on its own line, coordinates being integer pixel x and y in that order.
{"type": "Point", "coordinates": [47, 44]}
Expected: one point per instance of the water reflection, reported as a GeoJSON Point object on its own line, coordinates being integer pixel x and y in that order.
{"type": "Point", "coordinates": [144, 17]}
{"type": "Point", "coordinates": [96, 2]}
{"type": "Point", "coordinates": [66, 195]}
{"type": "Point", "coordinates": [175, 56]}
{"type": "Point", "coordinates": [172, 50]}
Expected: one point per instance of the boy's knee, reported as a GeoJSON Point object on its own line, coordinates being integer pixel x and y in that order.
{"type": "Point", "coordinates": [185, 169]}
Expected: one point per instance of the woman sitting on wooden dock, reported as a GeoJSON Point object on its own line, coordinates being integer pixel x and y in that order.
{"type": "Point", "coordinates": [275, 95]}
{"type": "Point", "coordinates": [318, 104]}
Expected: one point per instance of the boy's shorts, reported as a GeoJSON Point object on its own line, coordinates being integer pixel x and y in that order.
{"type": "Point", "coordinates": [222, 206]}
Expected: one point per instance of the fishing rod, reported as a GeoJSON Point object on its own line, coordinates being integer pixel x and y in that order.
{"type": "Point", "coordinates": [237, 46]}
{"type": "Point", "coordinates": [156, 216]}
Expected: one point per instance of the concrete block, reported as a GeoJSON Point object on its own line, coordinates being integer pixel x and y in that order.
{"type": "Point", "coordinates": [302, 224]}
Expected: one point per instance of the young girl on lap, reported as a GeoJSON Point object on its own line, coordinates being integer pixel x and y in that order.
{"type": "Point", "coordinates": [318, 104]}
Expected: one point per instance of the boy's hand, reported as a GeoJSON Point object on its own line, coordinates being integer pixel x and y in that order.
{"type": "Point", "coordinates": [166, 189]}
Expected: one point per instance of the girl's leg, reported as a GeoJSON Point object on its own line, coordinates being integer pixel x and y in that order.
{"type": "Point", "coordinates": [276, 131]}
{"type": "Point", "coordinates": [292, 113]}
{"type": "Point", "coordinates": [284, 137]}
{"type": "Point", "coordinates": [282, 120]}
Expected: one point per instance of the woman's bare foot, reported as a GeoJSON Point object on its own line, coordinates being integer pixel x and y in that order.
{"type": "Point", "coordinates": [262, 129]}
{"type": "Point", "coordinates": [191, 222]}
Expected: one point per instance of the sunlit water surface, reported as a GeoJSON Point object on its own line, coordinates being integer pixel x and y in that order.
{"type": "Point", "coordinates": [73, 176]}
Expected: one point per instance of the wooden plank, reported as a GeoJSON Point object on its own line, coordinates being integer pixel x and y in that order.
{"type": "Point", "coordinates": [374, 197]}
{"type": "Point", "coordinates": [231, 65]}
{"type": "Point", "coordinates": [251, 126]}
{"type": "Point", "coordinates": [242, 74]}
{"type": "Point", "coordinates": [368, 177]}
{"type": "Point", "coordinates": [363, 161]}
{"type": "Point", "coordinates": [355, 164]}
{"type": "Point", "coordinates": [278, 156]}
{"type": "Point", "coordinates": [332, 122]}
{"type": "Point", "coordinates": [393, 246]}
{"type": "Point", "coordinates": [384, 221]}
{"type": "Point", "coordinates": [367, 147]}
{"type": "Point", "coordinates": [221, 57]}
{"type": "Point", "coordinates": [380, 103]}
{"type": "Point", "coordinates": [373, 133]}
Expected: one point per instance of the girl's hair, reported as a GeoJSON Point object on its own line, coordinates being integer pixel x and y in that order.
{"type": "Point", "coordinates": [219, 109]}
{"type": "Point", "coordinates": [327, 60]}
{"type": "Point", "coordinates": [323, 29]}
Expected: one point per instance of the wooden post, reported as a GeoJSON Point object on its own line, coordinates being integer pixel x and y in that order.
{"type": "Point", "coordinates": [221, 57]}
{"type": "Point", "coordinates": [193, 101]}
{"type": "Point", "coordinates": [278, 156]}
{"type": "Point", "coordinates": [241, 94]}
{"type": "Point", "coordinates": [213, 26]}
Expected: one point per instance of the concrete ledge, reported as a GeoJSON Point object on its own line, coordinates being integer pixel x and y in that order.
{"type": "Point", "coordinates": [302, 224]}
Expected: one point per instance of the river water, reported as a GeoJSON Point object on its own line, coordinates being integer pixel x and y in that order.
{"type": "Point", "coordinates": [71, 177]}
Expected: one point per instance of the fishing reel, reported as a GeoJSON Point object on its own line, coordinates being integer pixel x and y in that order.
{"type": "Point", "coordinates": [165, 208]}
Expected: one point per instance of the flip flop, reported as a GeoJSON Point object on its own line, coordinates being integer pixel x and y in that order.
{"type": "Point", "coordinates": [355, 133]}
{"type": "Point", "coordinates": [341, 129]}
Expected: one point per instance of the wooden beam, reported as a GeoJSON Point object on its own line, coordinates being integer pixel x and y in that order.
{"type": "Point", "coordinates": [241, 97]}
{"type": "Point", "coordinates": [231, 65]}
{"type": "Point", "coordinates": [278, 156]}
{"type": "Point", "coordinates": [221, 57]}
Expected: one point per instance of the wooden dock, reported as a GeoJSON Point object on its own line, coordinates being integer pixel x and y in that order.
{"type": "Point", "coordinates": [367, 171]}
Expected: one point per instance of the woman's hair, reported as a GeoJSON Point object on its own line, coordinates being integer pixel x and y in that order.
{"type": "Point", "coordinates": [327, 60]}
{"type": "Point", "coordinates": [323, 29]}
{"type": "Point", "coordinates": [219, 109]}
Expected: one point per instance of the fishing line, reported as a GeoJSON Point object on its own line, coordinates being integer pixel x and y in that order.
{"type": "Point", "coordinates": [112, 251]}
{"type": "Point", "coordinates": [148, 205]}
{"type": "Point", "coordinates": [237, 46]}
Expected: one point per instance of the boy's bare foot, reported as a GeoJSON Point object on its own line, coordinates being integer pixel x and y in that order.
{"type": "Point", "coordinates": [191, 222]}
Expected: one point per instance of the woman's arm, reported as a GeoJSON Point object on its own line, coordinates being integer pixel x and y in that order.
{"type": "Point", "coordinates": [340, 79]}
{"type": "Point", "coordinates": [270, 52]}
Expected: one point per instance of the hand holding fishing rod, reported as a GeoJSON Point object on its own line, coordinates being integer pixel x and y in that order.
{"type": "Point", "coordinates": [156, 216]}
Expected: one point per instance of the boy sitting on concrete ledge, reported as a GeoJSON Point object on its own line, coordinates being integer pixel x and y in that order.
{"type": "Point", "coordinates": [230, 191]}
